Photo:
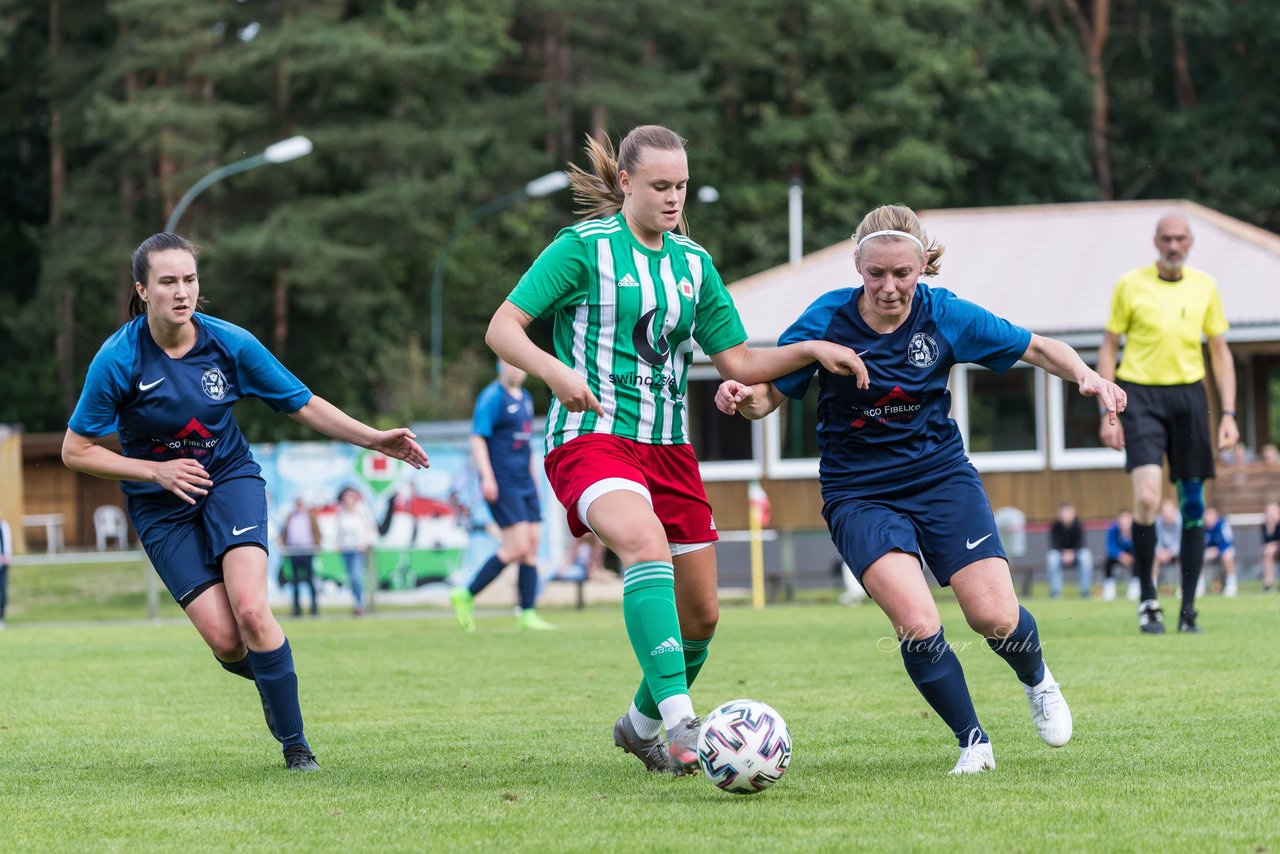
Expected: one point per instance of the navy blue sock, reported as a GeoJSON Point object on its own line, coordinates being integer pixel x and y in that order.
{"type": "Point", "coordinates": [278, 682]}
{"type": "Point", "coordinates": [528, 583]}
{"type": "Point", "coordinates": [933, 666]}
{"type": "Point", "coordinates": [1021, 648]}
{"type": "Point", "coordinates": [487, 573]}
{"type": "Point", "coordinates": [243, 668]}
{"type": "Point", "coordinates": [1144, 558]}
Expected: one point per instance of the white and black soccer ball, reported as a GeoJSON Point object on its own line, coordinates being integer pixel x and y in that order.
{"type": "Point", "coordinates": [744, 747]}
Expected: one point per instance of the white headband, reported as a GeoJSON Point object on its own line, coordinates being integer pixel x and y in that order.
{"type": "Point", "coordinates": [892, 233]}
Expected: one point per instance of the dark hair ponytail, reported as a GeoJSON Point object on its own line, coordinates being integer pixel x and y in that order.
{"type": "Point", "coordinates": [141, 263]}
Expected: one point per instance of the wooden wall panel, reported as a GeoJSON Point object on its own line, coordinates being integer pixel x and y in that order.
{"type": "Point", "coordinates": [12, 492]}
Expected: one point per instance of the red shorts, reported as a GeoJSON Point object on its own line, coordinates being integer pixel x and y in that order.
{"type": "Point", "coordinates": [669, 472]}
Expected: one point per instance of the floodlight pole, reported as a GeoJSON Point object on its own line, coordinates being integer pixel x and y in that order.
{"type": "Point", "coordinates": [279, 152]}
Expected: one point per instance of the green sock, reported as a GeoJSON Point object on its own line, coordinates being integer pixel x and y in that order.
{"type": "Point", "coordinates": [649, 609]}
{"type": "Point", "coordinates": [695, 655]}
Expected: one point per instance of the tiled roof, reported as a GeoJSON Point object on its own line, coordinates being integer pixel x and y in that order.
{"type": "Point", "coordinates": [1050, 268]}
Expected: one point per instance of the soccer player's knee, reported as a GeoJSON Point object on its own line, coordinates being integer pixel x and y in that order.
{"type": "Point", "coordinates": [227, 645]}
{"type": "Point", "coordinates": [641, 542]}
{"type": "Point", "coordinates": [253, 617]}
{"type": "Point", "coordinates": [995, 621]}
{"type": "Point", "coordinates": [918, 627]}
{"type": "Point", "coordinates": [702, 623]}
{"type": "Point", "coordinates": [1146, 500]}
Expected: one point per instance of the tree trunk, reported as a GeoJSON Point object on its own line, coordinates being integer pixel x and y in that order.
{"type": "Point", "coordinates": [564, 76]}
{"type": "Point", "coordinates": [164, 164]}
{"type": "Point", "coordinates": [64, 345]}
{"type": "Point", "coordinates": [1181, 68]}
{"type": "Point", "coordinates": [280, 286]}
{"type": "Point", "coordinates": [1099, 123]}
{"type": "Point", "coordinates": [1093, 30]}
{"type": "Point", "coordinates": [280, 305]}
{"type": "Point", "coordinates": [128, 191]}
{"type": "Point", "coordinates": [552, 106]}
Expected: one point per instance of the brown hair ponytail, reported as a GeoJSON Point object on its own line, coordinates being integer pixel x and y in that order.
{"type": "Point", "coordinates": [597, 193]}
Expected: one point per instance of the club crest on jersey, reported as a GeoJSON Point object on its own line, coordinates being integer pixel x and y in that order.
{"type": "Point", "coordinates": [922, 351]}
{"type": "Point", "coordinates": [654, 353]}
{"type": "Point", "coordinates": [686, 288]}
{"type": "Point", "coordinates": [214, 384]}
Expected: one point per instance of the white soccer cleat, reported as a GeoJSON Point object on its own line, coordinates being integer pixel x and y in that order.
{"type": "Point", "coordinates": [1229, 587]}
{"type": "Point", "coordinates": [1049, 711]}
{"type": "Point", "coordinates": [1108, 590]}
{"type": "Point", "coordinates": [975, 758]}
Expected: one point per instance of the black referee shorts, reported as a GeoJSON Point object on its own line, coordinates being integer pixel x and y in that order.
{"type": "Point", "coordinates": [1172, 420]}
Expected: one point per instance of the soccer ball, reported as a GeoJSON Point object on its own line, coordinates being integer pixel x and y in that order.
{"type": "Point", "coordinates": [744, 747]}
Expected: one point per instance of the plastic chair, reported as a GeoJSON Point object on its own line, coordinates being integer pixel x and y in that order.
{"type": "Point", "coordinates": [109, 521]}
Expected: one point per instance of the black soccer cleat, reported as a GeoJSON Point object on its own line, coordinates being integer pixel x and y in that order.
{"type": "Point", "coordinates": [299, 758]}
{"type": "Point", "coordinates": [1150, 617]}
{"type": "Point", "coordinates": [1187, 622]}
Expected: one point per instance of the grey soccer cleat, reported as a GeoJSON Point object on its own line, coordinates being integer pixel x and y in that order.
{"type": "Point", "coordinates": [651, 751]}
{"type": "Point", "coordinates": [682, 746]}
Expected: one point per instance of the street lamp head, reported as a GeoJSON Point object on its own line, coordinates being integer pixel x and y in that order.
{"type": "Point", "coordinates": [708, 193]}
{"type": "Point", "coordinates": [287, 149]}
{"type": "Point", "coordinates": [552, 182]}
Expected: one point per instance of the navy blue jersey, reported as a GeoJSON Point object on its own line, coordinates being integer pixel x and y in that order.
{"type": "Point", "coordinates": [1220, 536]}
{"type": "Point", "coordinates": [165, 408]}
{"type": "Point", "coordinates": [900, 428]}
{"type": "Point", "coordinates": [506, 423]}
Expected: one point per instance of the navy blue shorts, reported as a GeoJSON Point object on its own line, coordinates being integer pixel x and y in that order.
{"type": "Point", "coordinates": [186, 542]}
{"type": "Point", "coordinates": [515, 504]}
{"type": "Point", "coordinates": [945, 521]}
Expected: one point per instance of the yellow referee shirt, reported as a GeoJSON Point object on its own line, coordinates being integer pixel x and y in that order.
{"type": "Point", "coordinates": [1163, 324]}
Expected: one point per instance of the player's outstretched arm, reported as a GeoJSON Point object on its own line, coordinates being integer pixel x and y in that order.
{"type": "Point", "coordinates": [323, 417]}
{"type": "Point", "coordinates": [1062, 361]}
{"type": "Point", "coordinates": [186, 479]}
{"type": "Point", "coordinates": [749, 401]}
{"type": "Point", "coordinates": [762, 364]}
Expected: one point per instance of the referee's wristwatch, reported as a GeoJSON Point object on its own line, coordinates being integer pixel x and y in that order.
{"type": "Point", "coordinates": [1230, 412]}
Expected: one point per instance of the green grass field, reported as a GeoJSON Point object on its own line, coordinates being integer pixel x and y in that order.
{"type": "Point", "coordinates": [127, 737]}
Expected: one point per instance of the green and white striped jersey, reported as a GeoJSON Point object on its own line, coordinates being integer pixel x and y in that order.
{"type": "Point", "coordinates": [626, 317]}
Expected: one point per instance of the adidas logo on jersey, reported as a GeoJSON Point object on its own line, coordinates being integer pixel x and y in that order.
{"type": "Point", "coordinates": [628, 281]}
{"type": "Point", "coordinates": [668, 645]}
